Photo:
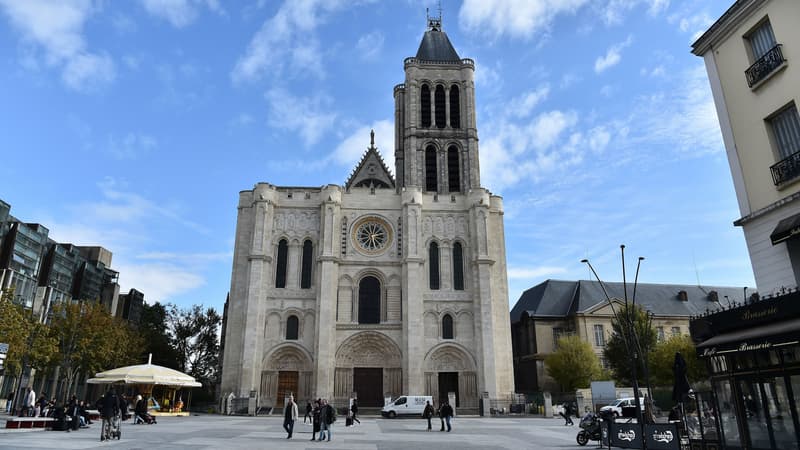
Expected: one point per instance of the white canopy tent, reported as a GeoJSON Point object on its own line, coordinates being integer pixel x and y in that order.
{"type": "Point", "coordinates": [148, 376]}
{"type": "Point", "coordinates": [145, 374]}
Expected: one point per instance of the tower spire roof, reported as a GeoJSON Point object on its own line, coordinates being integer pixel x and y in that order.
{"type": "Point", "coordinates": [435, 45]}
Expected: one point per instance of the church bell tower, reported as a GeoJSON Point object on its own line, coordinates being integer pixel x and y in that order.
{"type": "Point", "coordinates": [436, 141]}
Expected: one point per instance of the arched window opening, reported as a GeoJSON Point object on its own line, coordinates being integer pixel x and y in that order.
{"type": "Point", "coordinates": [440, 112]}
{"type": "Point", "coordinates": [308, 256]}
{"type": "Point", "coordinates": [453, 178]}
{"type": "Point", "coordinates": [425, 106]}
{"type": "Point", "coordinates": [433, 264]}
{"type": "Point", "coordinates": [369, 300]}
{"type": "Point", "coordinates": [458, 267]}
{"type": "Point", "coordinates": [455, 108]}
{"type": "Point", "coordinates": [430, 169]}
{"type": "Point", "coordinates": [292, 327]}
{"type": "Point", "coordinates": [447, 327]}
{"type": "Point", "coordinates": [280, 274]}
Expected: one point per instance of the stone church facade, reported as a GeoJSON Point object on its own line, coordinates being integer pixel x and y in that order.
{"type": "Point", "coordinates": [384, 286]}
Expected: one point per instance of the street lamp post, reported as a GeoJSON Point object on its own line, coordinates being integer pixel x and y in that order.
{"type": "Point", "coordinates": [629, 335]}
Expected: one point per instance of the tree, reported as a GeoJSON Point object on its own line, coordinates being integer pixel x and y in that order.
{"type": "Point", "coordinates": [25, 336]}
{"type": "Point", "coordinates": [90, 340]}
{"type": "Point", "coordinates": [617, 353]}
{"type": "Point", "coordinates": [154, 330]}
{"type": "Point", "coordinates": [195, 334]}
{"type": "Point", "coordinates": [663, 357]}
{"type": "Point", "coordinates": [573, 365]}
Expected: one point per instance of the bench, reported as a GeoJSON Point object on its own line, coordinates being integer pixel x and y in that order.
{"type": "Point", "coordinates": [29, 422]}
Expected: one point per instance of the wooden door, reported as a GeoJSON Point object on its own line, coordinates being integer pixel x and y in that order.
{"type": "Point", "coordinates": [287, 384]}
{"type": "Point", "coordinates": [368, 385]}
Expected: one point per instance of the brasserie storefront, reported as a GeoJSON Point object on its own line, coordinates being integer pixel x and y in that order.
{"type": "Point", "coordinates": [752, 352]}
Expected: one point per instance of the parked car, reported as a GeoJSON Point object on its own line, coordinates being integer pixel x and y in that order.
{"type": "Point", "coordinates": [627, 403]}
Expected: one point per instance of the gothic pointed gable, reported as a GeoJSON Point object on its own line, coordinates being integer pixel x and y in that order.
{"type": "Point", "coordinates": [371, 171]}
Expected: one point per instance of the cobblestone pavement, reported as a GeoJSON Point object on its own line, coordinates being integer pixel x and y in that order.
{"type": "Point", "coordinates": [225, 432]}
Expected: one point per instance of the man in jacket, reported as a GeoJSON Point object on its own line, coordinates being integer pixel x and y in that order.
{"type": "Point", "coordinates": [447, 413]}
{"type": "Point", "coordinates": [327, 417]}
{"type": "Point", "coordinates": [289, 416]}
{"type": "Point", "coordinates": [109, 406]}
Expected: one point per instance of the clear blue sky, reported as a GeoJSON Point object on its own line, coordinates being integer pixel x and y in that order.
{"type": "Point", "coordinates": [134, 125]}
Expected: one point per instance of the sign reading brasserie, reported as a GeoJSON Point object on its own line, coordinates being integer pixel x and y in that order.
{"type": "Point", "coordinates": [626, 435]}
{"type": "Point", "coordinates": [662, 436]}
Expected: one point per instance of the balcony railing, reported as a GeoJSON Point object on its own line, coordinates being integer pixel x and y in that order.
{"type": "Point", "coordinates": [786, 169]}
{"type": "Point", "coordinates": [764, 66]}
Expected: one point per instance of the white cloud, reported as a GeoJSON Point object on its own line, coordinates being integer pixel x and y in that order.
{"type": "Point", "coordinates": [131, 146]}
{"type": "Point", "coordinates": [186, 257]}
{"type": "Point", "coordinates": [370, 45]}
{"type": "Point", "coordinates": [523, 105]}
{"type": "Point", "coordinates": [179, 13]}
{"type": "Point", "coordinates": [568, 79]}
{"type": "Point", "coordinates": [57, 27]}
{"type": "Point", "coordinates": [614, 11]}
{"type": "Point", "coordinates": [517, 273]}
{"type": "Point", "coordinates": [515, 18]}
{"type": "Point", "coordinates": [286, 38]}
{"type": "Point", "coordinates": [612, 56]}
{"type": "Point", "coordinates": [308, 116]}
{"type": "Point", "coordinates": [351, 148]}
{"type": "Point", "coordinates": [160, 282]}
{"type": "Point", "coordinates": [683, 119]}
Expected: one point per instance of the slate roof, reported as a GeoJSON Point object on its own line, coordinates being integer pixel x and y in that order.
{"type": "Point", "coordinates": [558, 298]}
{"type": "Point", "coordinates": [435, 46]}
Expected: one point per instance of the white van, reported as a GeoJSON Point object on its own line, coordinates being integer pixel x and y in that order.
{"type": "Point", "coordinates": [620, 403]}
{"type": "Point", "coordinates": [407, 404]}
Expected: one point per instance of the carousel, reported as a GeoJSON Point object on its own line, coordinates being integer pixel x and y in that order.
{"type": "Point", "coordinates": [163, 388]}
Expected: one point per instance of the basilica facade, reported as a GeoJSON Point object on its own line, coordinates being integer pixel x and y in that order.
{"type": "Point", "coordinates": [387, 285]}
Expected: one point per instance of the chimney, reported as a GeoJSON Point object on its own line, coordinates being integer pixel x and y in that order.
{"type": "Point", "coordinates": [713, 296]}
{"type": "Point", "coordinates": [683, 296]}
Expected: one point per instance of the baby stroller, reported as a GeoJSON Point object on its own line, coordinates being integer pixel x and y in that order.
{"type": "Point", "coordinates": [111, 428]}
{"type": "Point", "coordinates": [143, 418]}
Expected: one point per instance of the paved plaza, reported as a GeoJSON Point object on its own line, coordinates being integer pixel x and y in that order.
{"type": "Point", "coordinates": [225, 432]}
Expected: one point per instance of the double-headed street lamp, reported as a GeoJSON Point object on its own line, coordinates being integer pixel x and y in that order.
{"type": "Point", "coordinates": [627, 322]}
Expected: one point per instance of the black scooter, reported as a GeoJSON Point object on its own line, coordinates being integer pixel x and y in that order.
{"type": "Point", "coordinates": [590, 429]}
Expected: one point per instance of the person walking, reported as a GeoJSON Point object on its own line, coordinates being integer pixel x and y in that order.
{"type": "Point", "coordinates": [28, 400]}
{"type": "Point", "coordinates": [354, 411]}
{"type": "Point", "coordinates": [10, 402]}
{"type": "Point", "coordinates": [315, 419]}
{"type": "Point", "coordinates": [327, 418]}
{"type": "Point", "coordinates": [109, 409]}
{"type": "Point", "coordinates": [441, 417]}
{"type": "Point", "coordinates": [427, 413]}
{"type": "Point", "coordinates": [309, 409]}
{"type": "Point", "coordinates": [289, 416]}
{"type": "Point", "coordinates": [566, 413]}
{"type": "Point", "coordinates": [447, 412]}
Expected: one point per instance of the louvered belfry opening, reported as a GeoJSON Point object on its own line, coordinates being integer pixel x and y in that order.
{"type": "Point", "coordinates": [455, 108]}
{"type": "Point", "coordinates": [441, 115]}
{"type": "Point", "coordinates": [430, 169]}
{"type": "Point", "coordinates": [425, 106]}
{"type": "Point", "coordinates": [453, 178]}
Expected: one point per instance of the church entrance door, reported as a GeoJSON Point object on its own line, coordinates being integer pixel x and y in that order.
{"type": "Point", "coordinates": [368, 384]}
{"type": "Point", "coordinates": [287, 384]}
{"type": "Point", "coordinates": [448, 382]}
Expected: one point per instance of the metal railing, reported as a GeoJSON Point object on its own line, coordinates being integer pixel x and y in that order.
{"type": "Point", "coordinates": [765, 65]}
{"type": "Point", "coordinates": [786, 169]}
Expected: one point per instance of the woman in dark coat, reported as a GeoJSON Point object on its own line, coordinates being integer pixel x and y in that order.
{"type": "Point", "coordinates": [315, 415]}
